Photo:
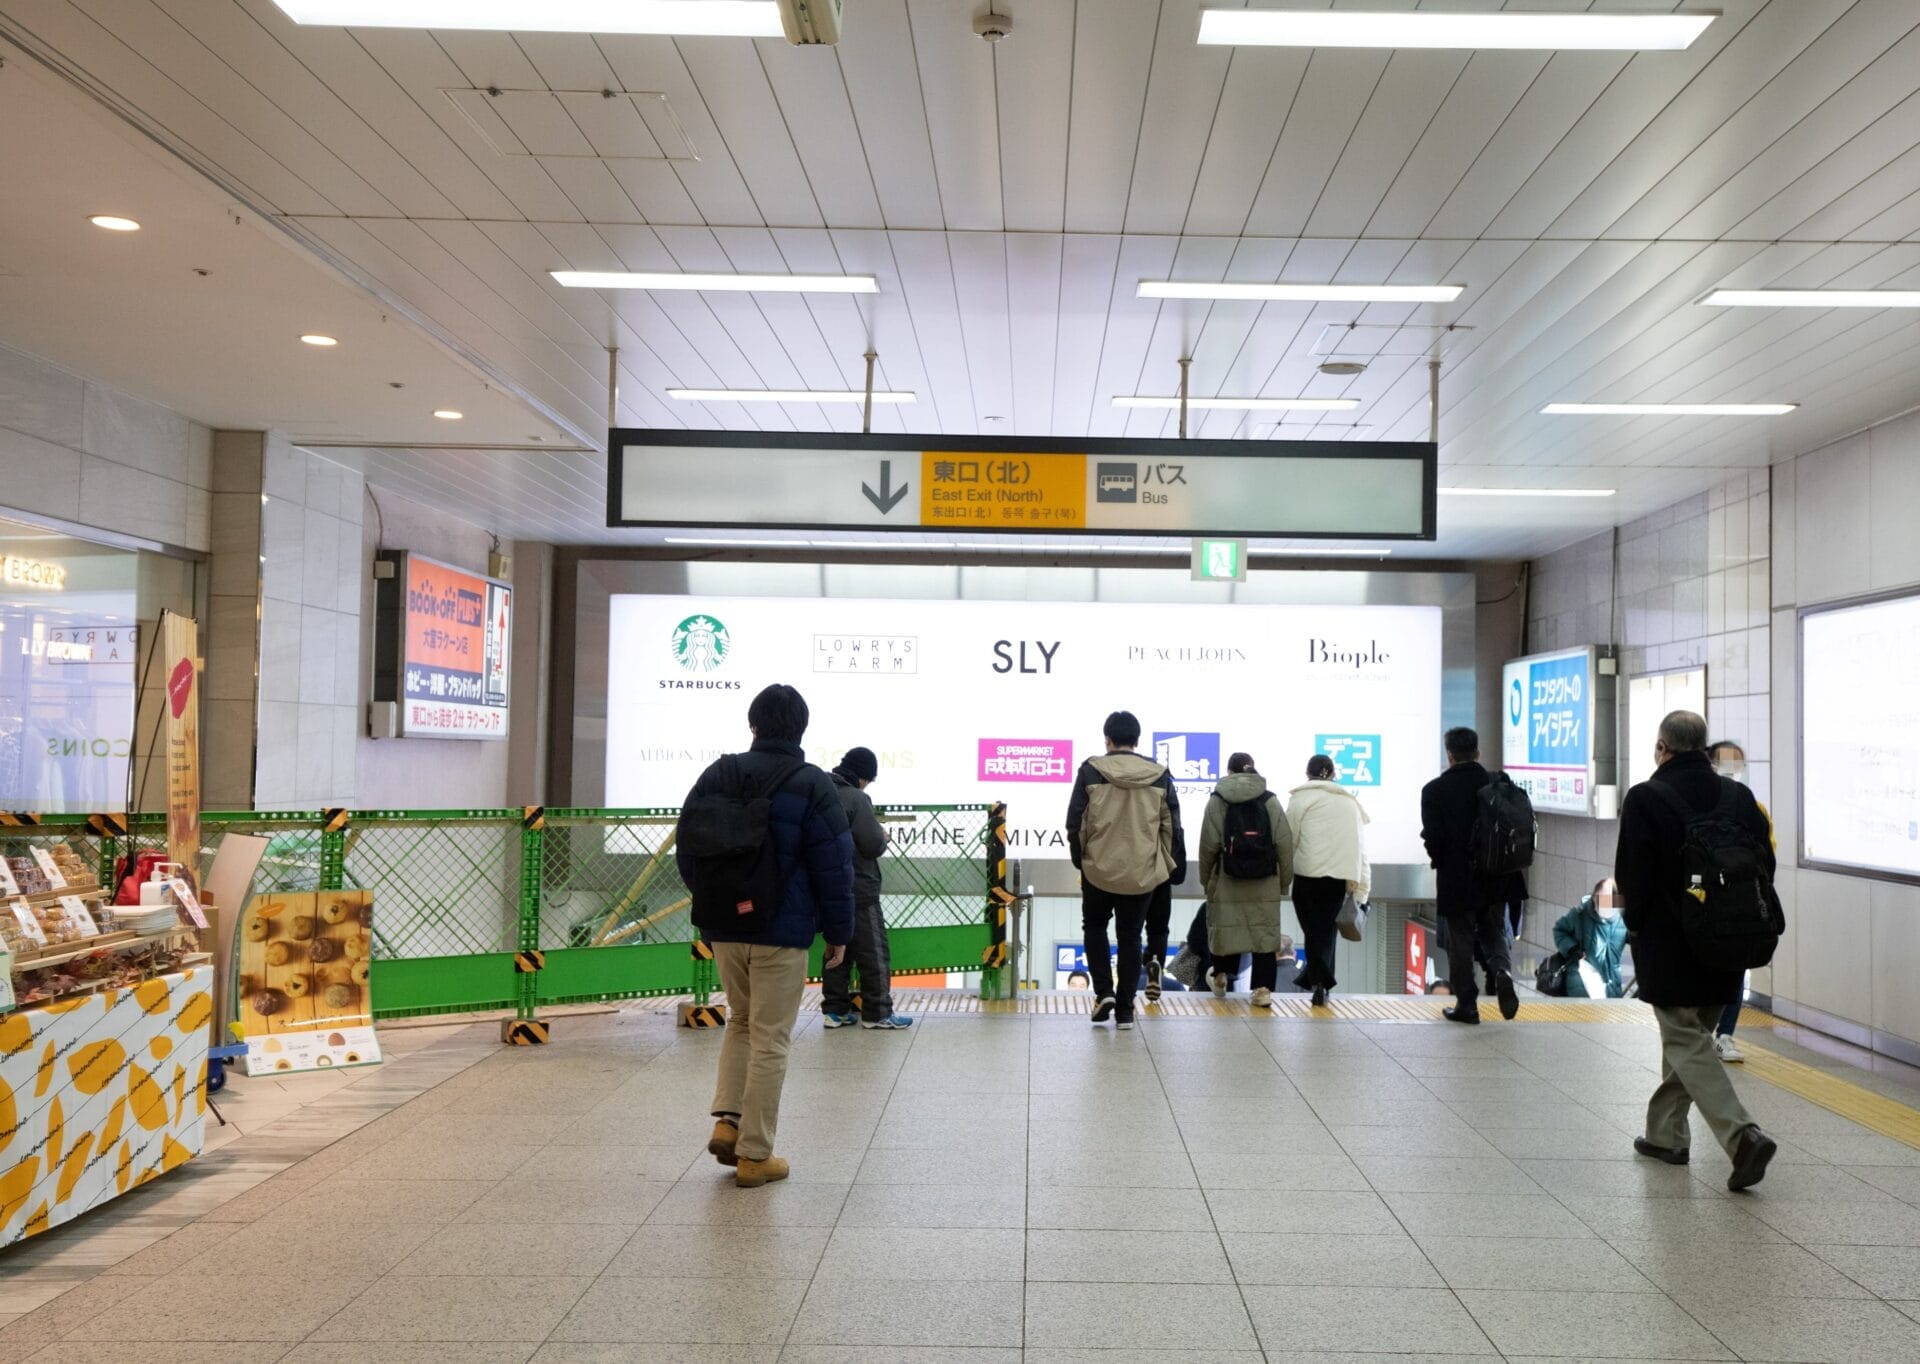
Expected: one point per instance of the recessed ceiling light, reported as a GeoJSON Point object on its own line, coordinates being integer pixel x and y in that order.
{"type": "Point", "coordinates": [784, 395]}
{"type": "Point", "coordinates": [1247, 404]}
{"type": "Point", "coordinates": [1343, 369]}
{"type": "Point", "coordinates": [1814, 298]}
{"type": "Point", "coordinates": [763, 284]}
{"type": "Point", "coordinates": [687, 18]}
{"type": "Point", "coordinates": [1400, 29]}
{"type": "Point", "coordinates": [316, 339]}
{"type": "Point", "coordinates": [447, 414]}
{"type": "Point", "coordinates": [1526, 492]}
{"type": "Point", "coordinates": [1669, 409]}
{"type": "Point", "coordinates": [1301, 293]}
{"type": "Point", "coordinates": [113, 223]}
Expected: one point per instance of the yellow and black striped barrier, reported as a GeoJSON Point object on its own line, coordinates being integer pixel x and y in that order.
{"type": "Point", "coordinates": [994, 956]}
{"type": "Point", "coordinates": [533, 817]}
{"type": "Point", "coordinates": [107, 826]}
{"type": "Point", "coordinates": [336, 819]}
{"type": "Point", "coordinates": [529, 961]}
{"type": "Point", "coordinates": [702, 950]}
{"type": "Point", "coordinates": [524, 1032]}
{"type": "Point", "coordinates": [18, 819]}
{"type": "Point", "coordinates": [703, 1015]}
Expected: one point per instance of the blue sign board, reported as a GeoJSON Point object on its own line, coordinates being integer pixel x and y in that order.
{"type": "Point", "coordinates": [1557, 710]}
{"type": "Point", "coordinates": [1356, 757]}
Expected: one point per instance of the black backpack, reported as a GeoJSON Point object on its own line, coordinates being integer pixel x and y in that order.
{"type": "Point", "coordinates": [1247, 852]}
{"type": "Point", "coordinates": [1729, 911]}
{"type": "Point", "coordinates": [1501, 842]}
{"type": "Point", "coordinates": [734, 867]}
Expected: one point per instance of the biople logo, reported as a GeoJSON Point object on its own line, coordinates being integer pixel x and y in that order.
{"type": "Point", "coordinates": [700, 644]}
{"type": "Point", "coordinates": [1348, 655]}
{"type": "Point", "coordinates": [1188, 756]}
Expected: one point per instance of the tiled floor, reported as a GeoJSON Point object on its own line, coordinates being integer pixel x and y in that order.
{"type": "Point", "coordinates": [997, 1190]}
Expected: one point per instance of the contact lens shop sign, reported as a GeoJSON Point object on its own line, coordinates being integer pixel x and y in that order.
{"type": "Point", "coordinates": [1547, 728]}
{"type": "Point", "coordinates": [457, 629]}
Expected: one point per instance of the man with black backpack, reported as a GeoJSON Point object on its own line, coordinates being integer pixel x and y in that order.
{"type": "Point", "coordinates": [764, 848]}
{"type": "Point", "coordinates": [1246, 865]}
{"type": "Point", "coordinates": [1470, 826]}
{"type": "Point", "coordinates": [1695, 865]}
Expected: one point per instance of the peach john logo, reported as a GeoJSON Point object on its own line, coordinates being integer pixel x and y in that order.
{"type": "Point", "coordinates": [1026, 760]}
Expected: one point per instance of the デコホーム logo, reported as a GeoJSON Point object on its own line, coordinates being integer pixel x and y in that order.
{"type": "Point", "coordinates": [701, 644]}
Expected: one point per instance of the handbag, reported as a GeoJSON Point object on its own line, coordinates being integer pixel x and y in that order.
{"type": "Point", "coordinates": [1352, 920]}
{"type": "Point", "coordinates": [1550, 977]}
{"type": "Point", "coordinates": [1185, 967]}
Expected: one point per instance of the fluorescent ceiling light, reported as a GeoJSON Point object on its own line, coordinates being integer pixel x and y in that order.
{"type": "Point", "coordinates": [1669, 409]}
{"type": "Point", "coordinates": [922, 546]}
{"type": "Point", "coordinates": [1814, 298]}
{"type": "Point", "coordinates": [1526, 492]}
{"type": "Point", "coordinates": [763, 284]}
{"type": "Point", "coordinates": [1325, 553]}
{"type": "Point", "coordinates": [1301, 293]}
{"type": "Point", "coordinates": [114, 224]}
{"type": "Point", "coordinates": [316, 339]}
{"type": "Point", "coordinates": [1510, 30]}
{"type": "Point", "coordinates": [447, 414]}
{"type": "Point", "coordinates": [703, 18]}
{"type": "Point", "coordinates": [785, 395]}
{"type": "Point", "coordinates": [1247, 404]}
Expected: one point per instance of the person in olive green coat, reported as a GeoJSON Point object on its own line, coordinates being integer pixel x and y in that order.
{"type": "Point", "coordinates": [1243, 914]}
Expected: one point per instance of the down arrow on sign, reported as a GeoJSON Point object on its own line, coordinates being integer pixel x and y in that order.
{"type": "Point", "coordinates": [889, 496]}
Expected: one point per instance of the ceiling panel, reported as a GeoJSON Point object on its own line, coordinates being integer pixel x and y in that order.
{"type": "Point", "coordinates": [1010, 197]}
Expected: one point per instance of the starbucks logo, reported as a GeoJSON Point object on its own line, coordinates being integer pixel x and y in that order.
{"type": "Point", "coordinates": [701, 644]}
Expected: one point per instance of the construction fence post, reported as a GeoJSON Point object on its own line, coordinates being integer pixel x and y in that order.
{"type": "Point", "coordinates": [993, 961]}
{"type": "Point", "coordinates": [702, 1012]}
{"type": "Point", "coordinates": [526, 1028]}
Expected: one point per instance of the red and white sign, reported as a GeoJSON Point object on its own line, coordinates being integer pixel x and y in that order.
{"type": "Point", "coordinates": [1416, 958]}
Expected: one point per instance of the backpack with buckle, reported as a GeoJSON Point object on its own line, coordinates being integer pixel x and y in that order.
{"type": "Point", "coordinates": [1729, 911]}
{"type": "Point", "coordinates": [736, 883]}
{"type": "Point", "coordinates": [1503, 830]}
{"type": "Point", "coordinates": [1247, 851]}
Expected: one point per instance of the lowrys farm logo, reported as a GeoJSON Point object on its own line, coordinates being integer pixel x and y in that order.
{"type": "Point", "coordinates": [700, 644]}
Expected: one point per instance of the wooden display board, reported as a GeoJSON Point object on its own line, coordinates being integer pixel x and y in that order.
{"type": "Point", "coordinates": [98, 1095]}
{"type": "Point", "coordinates": [304, 981]}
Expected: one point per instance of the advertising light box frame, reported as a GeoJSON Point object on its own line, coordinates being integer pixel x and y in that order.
{"type": "Point", "coordinates": [395, 649]}
{"type": "Point", "coordinates": [1866, 871]}
{"type": "Point", "coordinates": [866, 495]}
{"type": "Point", "coordinates": [1595, 710]}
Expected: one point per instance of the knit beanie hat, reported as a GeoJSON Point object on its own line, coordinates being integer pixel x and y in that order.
{"type": "Point", "coordinates": [859, 764]}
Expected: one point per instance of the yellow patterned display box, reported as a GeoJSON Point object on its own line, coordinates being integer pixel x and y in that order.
{"type": "Point", "coordinates": [98, 1095]}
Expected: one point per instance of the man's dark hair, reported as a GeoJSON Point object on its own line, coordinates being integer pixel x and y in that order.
{"type": "Point", "coordinates": [1123, 728]}
{"type": "Point", "coordinates": [779, 712]}
{"type": "Point", "coordinates": [1240, 762]}
{"type": "Point", "coordinates": [1463, 744]}
{"type": "Point", "coordinates": [1320, 768]}
{"type": "Point", "coordinates": [1683, 732]}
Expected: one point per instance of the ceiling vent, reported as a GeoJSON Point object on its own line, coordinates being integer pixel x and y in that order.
{"type": "Point", "coordinates": [599, 125]}
{"type": "Point", "coordinates": [1363, 341]}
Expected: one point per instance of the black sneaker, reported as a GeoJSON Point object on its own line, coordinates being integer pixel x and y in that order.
{"type": "Point", "coordinates": [1154, 972]}
{"type": "Point", "coordinates": [1123, 1023]}
{"type": "Point", "coordinates": [1751, 1153]}
{"type": "Point", "coordinates": [1509, 998]}
{"type": "Point", "coordinates": [1672, 1155]}
{"type": "Point", "coordinates": [1457, 1015]}
{"type": "Point", "coordinates": [1103, 1009]}
{"type": "Point", "coordinates": [1319, 996]}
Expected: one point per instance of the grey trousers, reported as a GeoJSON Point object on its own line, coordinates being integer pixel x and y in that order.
{"type": "Point", "coordinates": [870, 954]}
{"type": "Point", "coordinates": [1692, 1073]}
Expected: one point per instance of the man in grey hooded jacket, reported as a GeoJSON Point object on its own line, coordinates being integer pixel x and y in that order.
{"type": "Point", "coordinates": [868, 951]}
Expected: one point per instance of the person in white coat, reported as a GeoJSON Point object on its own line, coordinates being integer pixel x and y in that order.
{"type": "Point", "coordinates": [1329, 864]}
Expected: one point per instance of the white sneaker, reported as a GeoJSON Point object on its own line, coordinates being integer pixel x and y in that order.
{"type": "Point", "coordinates": [1263, 998]}
{"type": "Point", "coordinates": [1723, 1044]}
{"type": "Point", "coordinates": [1221, 984]}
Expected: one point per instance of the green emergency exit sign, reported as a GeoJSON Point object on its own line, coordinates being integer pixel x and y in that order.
{"type": "Point", "coordinates": [1220, 561]}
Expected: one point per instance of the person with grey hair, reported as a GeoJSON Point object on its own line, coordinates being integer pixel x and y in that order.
{"type": "Point", "coordinates": [1683, 802]}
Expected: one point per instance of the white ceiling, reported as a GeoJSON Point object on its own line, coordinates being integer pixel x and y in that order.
{"type": "Point", "coordinates": [1008, 197]}
{"type": "Point", "coordinates": [133, 311]}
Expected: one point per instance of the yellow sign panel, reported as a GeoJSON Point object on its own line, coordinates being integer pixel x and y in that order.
{"type": "Point", "coordinates": [1003, 491]}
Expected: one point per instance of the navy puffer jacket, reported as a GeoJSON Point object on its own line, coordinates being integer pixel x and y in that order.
{"type": "Point", "coordinates": [816, 849]}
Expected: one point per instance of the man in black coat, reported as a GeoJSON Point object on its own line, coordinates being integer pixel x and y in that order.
{"type": "Point", "coordinates": [1687, 995]}
{"type": "Point", "coordinates": [1471, 908]}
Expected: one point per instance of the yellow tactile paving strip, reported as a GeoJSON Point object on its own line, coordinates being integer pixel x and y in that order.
{"type": "Point", "coordinates": [1888, 1117]}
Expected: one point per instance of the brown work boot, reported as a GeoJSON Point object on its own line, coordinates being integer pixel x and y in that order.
{"type": "Point", "coordinates": [720, 1145]}
{"type": "Point", "coordinates": [751, 1174]}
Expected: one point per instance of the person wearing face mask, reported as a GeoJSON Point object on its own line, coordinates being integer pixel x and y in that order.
{"type": "Point", "coordinates": [1592, 939]}
{"type": "Point", "coordinates": [1730, 760]}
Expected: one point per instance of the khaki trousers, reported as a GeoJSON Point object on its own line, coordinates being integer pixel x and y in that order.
{"type": "Point", "coordinates": [763, 986]}
{"type": "Point", "coordinates": [1691, 1072]}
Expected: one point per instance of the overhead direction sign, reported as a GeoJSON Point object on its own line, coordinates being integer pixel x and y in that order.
{"type": "Point", "coordinates": [827, 481]}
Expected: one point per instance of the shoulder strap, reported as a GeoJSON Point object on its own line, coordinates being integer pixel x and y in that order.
{"type": "Point", "coordinates": [1675, 801]}
{"type": "Point", "coordinates": [781, 776]}
{"type": "Point", "coordinates": [1728, 806]}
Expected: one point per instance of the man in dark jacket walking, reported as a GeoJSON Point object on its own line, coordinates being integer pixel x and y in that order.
{"type": "Point", "coordinates": [765, 974]}
{"type": "Point", "coordinates": [856, 772]}
{"type": "Point", "coordinates": [1687, 995]}
{"type": "Point", "coordinates": [1470, 908]}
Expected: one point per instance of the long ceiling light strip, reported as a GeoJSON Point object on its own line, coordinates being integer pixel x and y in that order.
{"type": "Point", "coordinates": [1245, 404]}
{"type": "Point", "coordinates": [924, 546]}
{"type": "Point", "coordinates": [1300, 293]}
{"type": "Point", "coordinates": [678, 18]}
{"type": "Point", "coordinates": [760, 284]}
{"type": "Point", "coordinates": [1813, 298]}
{"type": "Point", "coordinates": [1421, 29]}
{"type": "Point", "coordinates": [785, 395]}
{"type": "Point", "coordinates": [1526, 492]}
{"type": "Point", "coordinates": [1668, 409]}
